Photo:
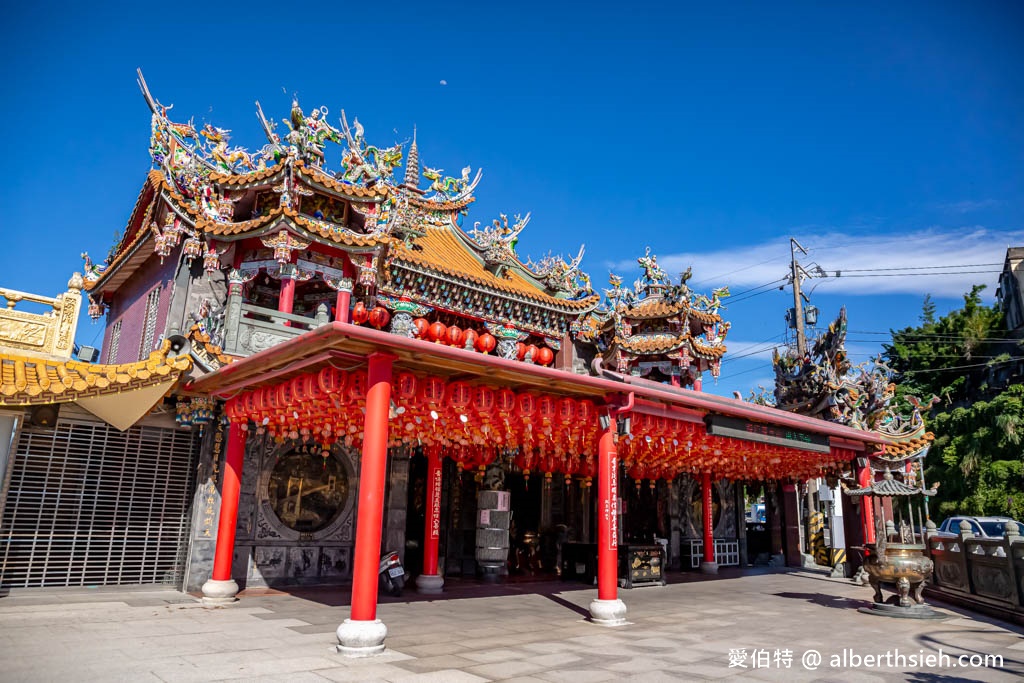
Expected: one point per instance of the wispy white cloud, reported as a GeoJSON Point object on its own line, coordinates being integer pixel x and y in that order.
{"type": "Point", "coordinates": [971, 205]}
{"type": "Point", "coordinates": [866, 263]}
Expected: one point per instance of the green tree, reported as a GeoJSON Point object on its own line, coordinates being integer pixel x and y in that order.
{"type": "Point", "coordinates": [977, 458]}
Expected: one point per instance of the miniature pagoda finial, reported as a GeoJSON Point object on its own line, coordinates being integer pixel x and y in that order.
{"type": "Point", "coordinates": [412, 165]}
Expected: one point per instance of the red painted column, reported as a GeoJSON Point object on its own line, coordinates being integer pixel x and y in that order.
{"type": "Point", "coordinates": [430, 581]}
{"type": "Point", "coordinates": [370, 513]}
{"type": "Point", "coordinates": [608, 521]}
{"type": "Point", "coordinates": [221, 588]}
{"type": "Point", "coordinates": [229, 502]}
{"type": "Point", "coordinates": [286, 301]}
{"type": "Point", "coordinates": [342, 314]}
{"type": "Point", "coordinates": [867, 511]}
{"type": "Point", "coordinates": [341, 306]}
{"type": "Point", "coordinates": [708, 510]}
{"type": "Point", "coordinates": [698, 383]}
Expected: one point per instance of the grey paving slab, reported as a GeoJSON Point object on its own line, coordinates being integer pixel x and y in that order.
{"type": "Point", "coordinates": [684, 631]}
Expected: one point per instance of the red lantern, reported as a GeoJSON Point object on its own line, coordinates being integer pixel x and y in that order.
{"type": "Point", "coordinates": [459, 395]}
{"type": "Point", "coordinates": [285, 399]}
{"type": "Point", "coordinates": [469, 338]}
{"type": "Point", "coordinates": [505, 401]}
{"type": "Point", "coordinates": [486, 343]}
{"type": "Point", "coordinates": [436, 332]}
{"type": "Point", "coordinates": [433, 392]}
{"type": "Point", "coordinates": [357, 386]}
{"type": "Point", "coordinates": [566, 410]}
{"type": "Point", "coordinates": [379, 317]}
{"type": "Point", "coordinates": [520, 350]}
{"type": "Point", "coordinates": [298, 390]}
{"type": "Point", "coordinates": [546, 408]}
{"type": "Point", "coordinates": [526, 406]}
{"type": "Point", "coordinates": [453, 336]}
{"type": "Point", "coordinates": [421, 325]}
{"type": "Point", "coordinates": [406, 386]}
{"type": "Point", "coordinates": [585, 412]}
{"type": "Point", "coordinates": [531, 353]}
{"type": "Point", "coordinates": [483, 400]}
{"type": "Point", "coordinates": [331, 380]}
{"type": "Point", "coordinates": [231, 409]}
{"type": "Point", "coordinates": [544, 356]}
{"type": "Point", "coordinates": [359, 313]}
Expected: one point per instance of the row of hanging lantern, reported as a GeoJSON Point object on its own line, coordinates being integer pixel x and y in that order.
{"type": "Point", "coordinates": [452, 335]}
{"type": "Point", "coordinates": [662, 448]}
{"type": "Point", "coordinates": [167, 239]}
{"type": "Point", "coordinates": [474, 423]}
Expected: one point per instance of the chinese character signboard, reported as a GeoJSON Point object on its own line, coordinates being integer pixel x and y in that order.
{"type": "Point", "coordinates": [738, 428]}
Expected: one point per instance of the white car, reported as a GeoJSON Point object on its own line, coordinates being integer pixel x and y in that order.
{"type": "Point", "coordinates": [981, 527]}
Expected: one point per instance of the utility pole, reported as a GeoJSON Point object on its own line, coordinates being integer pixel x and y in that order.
{"type": "Point", "coordinates": [801, 349]}
{"type": "Point", "coordinates": [798, 304]}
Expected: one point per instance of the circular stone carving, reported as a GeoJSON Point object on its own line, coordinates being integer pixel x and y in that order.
{"type": "Point", "coordinates": [306, 491]}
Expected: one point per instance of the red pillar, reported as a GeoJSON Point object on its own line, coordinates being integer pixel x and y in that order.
{"type": "Point", "coordinates": [698, 383]}
{"type": "Point", "coordinates": [430, 581]}
{"type": "Point", "coordinates": [221, 588]}
{"type": "Point", "coordinates": [370, 514]}
{"type": "Point", "coordinates": [342, 314]}
{"type": "Point", "coordinates": [867, 511]}
{"type": "Point", "coordinates": [286, 302]}
{"type": "Point", "coordinates": [708, 565]}
{"type": "Point", "coordinates": [341, 307]}
{"type": "Point", "coordinates": [608, 522]}
{"type": "Point", "coordinates": [607, 609]}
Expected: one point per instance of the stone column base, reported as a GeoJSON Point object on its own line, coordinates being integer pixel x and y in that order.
{"type": "Point", "coordinates": [708, 567]}
{"type": "Point", "coordinates": [217, 593]}
{"type": "Point", "coordinates": [608, 612]}
{"type": "Point", "coordinates": [361, 638]}
{"type": "Point", "coordinates": [429, 583]}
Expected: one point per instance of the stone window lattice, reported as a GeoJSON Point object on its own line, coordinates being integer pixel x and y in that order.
{"type": "Point", "coordinates": [115, 342]}
{"type": "Point", "coordinates": [149, 329]}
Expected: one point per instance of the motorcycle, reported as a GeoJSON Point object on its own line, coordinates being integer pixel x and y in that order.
{"type": "Point", "coordinates": [392, 574]}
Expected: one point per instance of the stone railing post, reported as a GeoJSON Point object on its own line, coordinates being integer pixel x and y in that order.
{"type": "Point", "coordinates": [322, 317]}
{"type": "Point", "coordinates": [233, 311]}
{"type": "Point", "coordinates": [1011, 538]}
{"type": "Point", "coordinates": [968, 557]}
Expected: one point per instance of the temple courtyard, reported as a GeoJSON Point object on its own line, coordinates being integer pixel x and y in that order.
{"type": "Point", "coordinates": [750, 625]}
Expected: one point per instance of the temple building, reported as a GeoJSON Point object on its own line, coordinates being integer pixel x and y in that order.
{"type": "Point", "coordinates": [362, 366]}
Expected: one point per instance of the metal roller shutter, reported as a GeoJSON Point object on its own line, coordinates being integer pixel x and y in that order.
{"type": "Point", "coordinates": [90, 505]}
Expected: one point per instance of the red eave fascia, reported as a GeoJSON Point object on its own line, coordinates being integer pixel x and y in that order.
{"type": "Point", "coordinates": [679, 403]}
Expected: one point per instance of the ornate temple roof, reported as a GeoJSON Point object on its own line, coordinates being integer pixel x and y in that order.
{"type": "Point", "coordinates": [441, 250]}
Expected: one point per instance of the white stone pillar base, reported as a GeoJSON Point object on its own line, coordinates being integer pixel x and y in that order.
{"type": "Point", "coordinates": [429, 583]}
{"type": "Point", "coordinates": [217, 593]}
{"type": "Point", "coordinates": [708, 567]}
{"type": "Point", "coordinates": [608, 612]}
{"type": "Point", "coordinates": [361, 638]}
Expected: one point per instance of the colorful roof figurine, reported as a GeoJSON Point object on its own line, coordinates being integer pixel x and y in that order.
{"type": "Point", "coordinates": [825, 384]}
{"type": "Point", "coordinates": [658, 327]}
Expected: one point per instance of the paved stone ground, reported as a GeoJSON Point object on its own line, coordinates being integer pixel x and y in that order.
{"type": "Point", "coordinates": [514, 632]}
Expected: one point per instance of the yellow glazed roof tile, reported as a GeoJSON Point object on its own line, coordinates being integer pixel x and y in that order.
{"type": "Point", "coordinates": [29, 380]}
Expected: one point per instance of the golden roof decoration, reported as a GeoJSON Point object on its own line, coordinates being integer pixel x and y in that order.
{"type": "Point", "coordinates": [30, 380]}
{"type": "Point", "coordinates": [440, 250]}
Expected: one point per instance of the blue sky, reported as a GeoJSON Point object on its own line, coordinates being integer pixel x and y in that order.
{"type": "Point", "coordinates": [879, 136]}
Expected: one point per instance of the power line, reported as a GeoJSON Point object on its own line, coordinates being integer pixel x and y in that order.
{"type": "Point", "coordinates": [955, 265]}
{"type": "Point", "coordinates": [960, 367]}
{"type": "Point", "coordinates": [944, 272]}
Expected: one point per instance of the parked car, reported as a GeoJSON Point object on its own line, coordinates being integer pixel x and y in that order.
{"type": "Point", "coordinates": [981, 527]}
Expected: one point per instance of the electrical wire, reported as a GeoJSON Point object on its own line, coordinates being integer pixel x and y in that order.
{"type": "Point", "coordinates": [878, 270]}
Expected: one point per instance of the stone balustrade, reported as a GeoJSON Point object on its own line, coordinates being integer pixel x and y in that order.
{"type": "Point", "coordinates": [983, 573]}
